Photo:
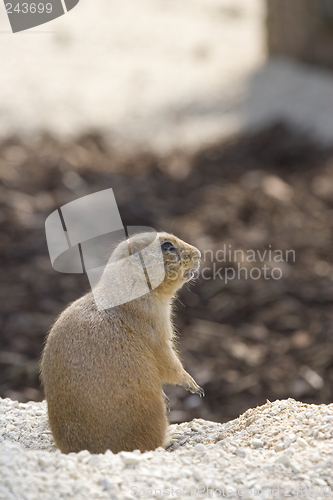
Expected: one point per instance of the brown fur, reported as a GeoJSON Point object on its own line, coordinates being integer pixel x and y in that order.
{"type": "Point", "coordinates": [103, 371]}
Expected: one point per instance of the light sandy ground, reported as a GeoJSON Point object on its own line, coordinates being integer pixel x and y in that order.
{"type": "Point", "coordinates": [278, 450]}
{"type": "Point", "coordinates": [163, 73]}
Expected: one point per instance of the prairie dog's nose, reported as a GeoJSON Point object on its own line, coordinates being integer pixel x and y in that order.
{"type": "Point", "coordinates": [193, 254]}
{"type": "Point", "coordinates": [198, 253]}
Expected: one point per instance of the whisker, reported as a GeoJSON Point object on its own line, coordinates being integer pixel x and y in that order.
{"type": "Point", "coordinates": [181, 302]}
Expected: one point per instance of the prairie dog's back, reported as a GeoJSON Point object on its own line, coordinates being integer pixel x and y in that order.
{"type": "Point", "coordinates": [98, 365]}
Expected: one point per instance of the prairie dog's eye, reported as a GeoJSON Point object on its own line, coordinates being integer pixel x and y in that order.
{"type": "Point", "coordinates": [167, 246]}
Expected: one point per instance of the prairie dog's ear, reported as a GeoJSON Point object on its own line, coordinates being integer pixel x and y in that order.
{"type": "Point", "coordinates": [135, 252]}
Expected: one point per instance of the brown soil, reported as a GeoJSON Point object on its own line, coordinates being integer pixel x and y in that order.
{"type": "Point", "coordinates": [244, 340]}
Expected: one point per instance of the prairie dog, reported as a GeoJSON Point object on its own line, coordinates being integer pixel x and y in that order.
{"type": "Point", "coordinates": [103, 370]}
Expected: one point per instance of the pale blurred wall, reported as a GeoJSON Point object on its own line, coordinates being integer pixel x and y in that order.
{"type": "Point", "coordinates": [163, 74]}
{"type": "Point", "coordinates": [148, 71]}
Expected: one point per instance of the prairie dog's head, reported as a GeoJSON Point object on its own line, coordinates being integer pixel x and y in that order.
{"type": "Point", "coordinates": [168, 262]}
{"type": "Point", "coordinates": [181, 261]}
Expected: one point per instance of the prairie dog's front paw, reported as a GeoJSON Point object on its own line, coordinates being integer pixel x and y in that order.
{"type": "Point", "coordinates": [196, 390]}
{"type": "Point", "coordinates": [191, 385]}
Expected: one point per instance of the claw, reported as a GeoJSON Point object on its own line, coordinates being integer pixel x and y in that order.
{"type": "Point", "coordinates": [201, 392]}
{"type": "Point", "coordinates": [194, 389]}
{"type": "Point", "coordinates": [197, 390]}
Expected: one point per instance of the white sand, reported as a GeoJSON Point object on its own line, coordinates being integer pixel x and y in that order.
{"type": "Point", "coordinates": [285, 446]}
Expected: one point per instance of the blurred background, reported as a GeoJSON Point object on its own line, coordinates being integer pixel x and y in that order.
{"type": "Point", "coordinates": [211, 119]}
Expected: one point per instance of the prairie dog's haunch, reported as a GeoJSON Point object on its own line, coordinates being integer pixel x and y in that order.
{"type": "Point", "coordinates": [103, 370]}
